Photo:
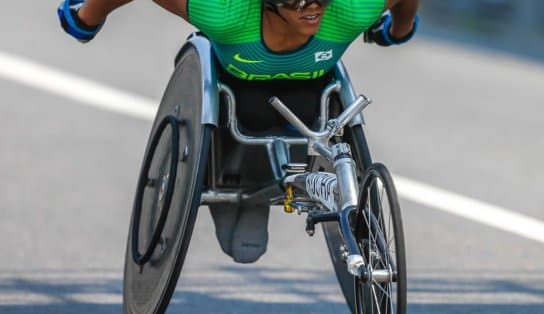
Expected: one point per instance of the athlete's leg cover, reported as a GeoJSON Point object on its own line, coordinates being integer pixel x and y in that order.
{"type": "Point", "coordinates": [224, 218]}
{"type": "Point", "coordinates": [242, 232]}
{"type": "Point", "coordinates": [250, 236]}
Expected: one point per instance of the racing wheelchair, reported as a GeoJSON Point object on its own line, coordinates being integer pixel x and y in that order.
{"type": "Point", "coordinates": [336, 184]}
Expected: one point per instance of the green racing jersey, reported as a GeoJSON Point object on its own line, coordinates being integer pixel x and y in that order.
{"type": "Point", "coordinates": [234, 29]}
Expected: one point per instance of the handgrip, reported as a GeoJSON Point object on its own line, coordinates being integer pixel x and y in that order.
{"type": "Point", "coordinates": [355, 108]}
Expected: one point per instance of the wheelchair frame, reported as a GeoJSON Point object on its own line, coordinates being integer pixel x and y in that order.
{"type": "Point", "coordinates": [277, 146]}
{"type": "Point", "coordinates": [283, 172]}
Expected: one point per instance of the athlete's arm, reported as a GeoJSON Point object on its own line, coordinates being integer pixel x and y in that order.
{"type": "Point", "coordinates": [94, 12]}
{"type": "Point", "coordinates": [178, 7]}
{"type": "Point", "coordinates": [83, 19]}
{"type": "Point", "coordinates": [403, 13]}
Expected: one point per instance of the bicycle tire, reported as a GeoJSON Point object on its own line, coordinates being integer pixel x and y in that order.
{"type": "Point", "coordinates": [149, 286]}
{"type": "Point", "coordinates": [379, 233]}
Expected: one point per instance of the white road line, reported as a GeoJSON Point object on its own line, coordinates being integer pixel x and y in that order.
{"type": "Point", "coordinates": [97, 95]}
{"type": "Point", "coordinates": [74, 87]}
{"type": "Point", "coordinates": [475, 210]}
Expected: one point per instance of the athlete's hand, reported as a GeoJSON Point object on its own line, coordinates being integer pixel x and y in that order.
{"type": "Point", "coordinates": [71, 23]}
{"type": "Point", "coordinates": [380, 32]}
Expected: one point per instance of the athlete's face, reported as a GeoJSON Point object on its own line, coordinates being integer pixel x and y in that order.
{"type": "Point", "coordinates": [304, 21]}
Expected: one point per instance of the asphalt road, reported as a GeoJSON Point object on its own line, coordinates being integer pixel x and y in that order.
{"type": "Point", "coordinates": [465, 120]}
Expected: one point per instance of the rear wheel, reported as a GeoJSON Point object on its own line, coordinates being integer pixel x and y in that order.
{"type": "Point", "coordinates": [379, 234]}
{"type": "Point", "coordinates": [168, 192]}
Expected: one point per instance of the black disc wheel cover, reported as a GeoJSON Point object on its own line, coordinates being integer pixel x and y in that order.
{"type": "Point", "coordinates": [157, 246]}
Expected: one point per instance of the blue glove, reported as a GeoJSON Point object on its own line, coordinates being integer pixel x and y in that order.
{"type": "Point", "coordinates": [379, 32]}
{"type": "Point", "coordinates": [71, 23]}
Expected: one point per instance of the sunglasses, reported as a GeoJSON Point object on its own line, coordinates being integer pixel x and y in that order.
{"type": "Point", "coordinates": [300, 4]}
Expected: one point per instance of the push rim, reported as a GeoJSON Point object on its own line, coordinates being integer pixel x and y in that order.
{"type": "Point", "coordinates": [166, 191]}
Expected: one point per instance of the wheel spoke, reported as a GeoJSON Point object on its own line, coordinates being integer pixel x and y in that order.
{"type": "Point", "coordinates": [391, 306]}
{"type": "Point", "coordinates": [380, 198]}
{"type": "Point", "coordinates": [375, 297]}
{"type": "Point", "coordinates": [382, 289]}
{"type": "Point", "coordinates": [387, 231]}
{"type": "Point", "coordinates": [369, 224]}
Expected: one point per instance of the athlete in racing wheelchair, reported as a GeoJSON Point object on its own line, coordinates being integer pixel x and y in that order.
{"type": "Point", "coordinates": [289, 49]}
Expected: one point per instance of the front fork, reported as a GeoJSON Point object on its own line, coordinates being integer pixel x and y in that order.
{"type": "Point", "coordinates": [347, 191]}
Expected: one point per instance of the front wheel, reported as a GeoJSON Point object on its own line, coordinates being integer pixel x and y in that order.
{"type": "Point", "coordinates": [379, 234]}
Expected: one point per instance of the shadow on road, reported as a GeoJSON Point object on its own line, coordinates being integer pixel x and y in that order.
{"type": "Point", "coordinates": [253, 289]}
{"type": "Point", "coordinates": [240, 289]}
{"type": "Point", "coordinates": [476, 308]}
{"type": "Point", "coordinates": [478, 292]}
{"type": "Point", "coordinates": [92, 291]}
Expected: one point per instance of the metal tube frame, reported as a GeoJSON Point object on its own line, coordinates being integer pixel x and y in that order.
{"type": "Point", "coordinates": [278, 149]}
{"type": "Point", "coordinates": [278, 146]}
{"type": "Point", "coordinates": [318, 145]}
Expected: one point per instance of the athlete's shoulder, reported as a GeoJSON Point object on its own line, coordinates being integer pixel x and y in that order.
{"type": "Point", "coordinates": [222, 19]}
{"type": "Point", "coordinates": [344, 20]}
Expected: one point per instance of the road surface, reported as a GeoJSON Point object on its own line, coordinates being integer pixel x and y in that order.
{"type": "Point", "coordinates": [457, 119]}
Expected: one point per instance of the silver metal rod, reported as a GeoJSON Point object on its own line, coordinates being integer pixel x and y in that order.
{"type": "Point", "coordinates": [251, 140]}
{"type": "Point", "coordinates": [324, 151]}
{"type": "Point", "coordinates": [356, 107]}
{"type": "Point", "coordinates": [269, 194]}
{"type": "Point", "coordinates": [278, 157]}
{"type": "Point", "coordinates": [325, 101]}
{"type": "Point", "coordinates": [348, 187]}
{"type": "Point", "coordinates": [210, 197]}
{"type": "Point", "coordinates": [292, 118]}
